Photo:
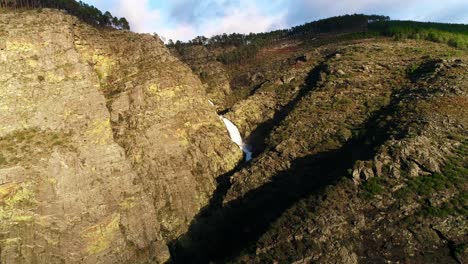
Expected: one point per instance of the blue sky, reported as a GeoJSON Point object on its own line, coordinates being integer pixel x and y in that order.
{"type": "Point", "coordinates": [185, 19]}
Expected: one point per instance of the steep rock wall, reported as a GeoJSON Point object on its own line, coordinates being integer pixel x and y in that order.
{"type": "Point", "coordinates": [214, 76]}
{"type": "Point", "coordinates": [161, 116]}
{"type": "Point", "coordinates": [108, 145]}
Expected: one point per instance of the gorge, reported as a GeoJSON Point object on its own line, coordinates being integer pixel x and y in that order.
{"type": "Point", "coordinates": [331, 142]}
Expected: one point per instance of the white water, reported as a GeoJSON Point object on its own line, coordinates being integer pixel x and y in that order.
{"type": "Point", "coordinates": [237, 138]}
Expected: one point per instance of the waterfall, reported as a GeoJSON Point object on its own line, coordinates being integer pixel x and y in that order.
{"type": "Point", "coordinates": [236, 137]}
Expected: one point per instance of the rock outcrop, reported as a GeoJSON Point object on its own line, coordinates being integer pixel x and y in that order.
{"type": "Point", "coordinates": [212, 73]}
{"type": "Point", "coordinates": [109, 146]}
{"type": "Point", "coordinates": [405, 172]}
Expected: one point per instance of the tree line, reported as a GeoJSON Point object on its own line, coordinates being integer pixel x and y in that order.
{"type": "Point", "coordinates": [234, 39]}
{"type": "Point", "coordinates": [247, 45]}
{"type": "Point", "coordinates": [455, 35]}
{"type": "Point", "coordinates": [85, 12]}
{"type": "Point", "coordinates": [356, 22]}
{"type": "Point", "coordinates": [346, 23]}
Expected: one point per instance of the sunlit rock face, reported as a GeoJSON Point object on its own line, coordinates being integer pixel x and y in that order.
{"type": "Point", "coordinates": [108, 145]}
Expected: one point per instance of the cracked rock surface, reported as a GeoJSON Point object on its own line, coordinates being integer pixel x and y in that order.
{"type": "Point", "coordinates": [109, 146]}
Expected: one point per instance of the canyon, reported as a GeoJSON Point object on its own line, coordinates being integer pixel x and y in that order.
{"type": "Point", "coordinates": [341, 148]}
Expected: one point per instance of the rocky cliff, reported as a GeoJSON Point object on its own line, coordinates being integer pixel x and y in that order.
{"type": "Point", "coordinates": [214, 76]}
{"type": "Point", "coordinates": [109, 146]}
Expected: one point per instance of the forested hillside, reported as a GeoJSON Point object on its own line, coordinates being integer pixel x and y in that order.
{"type": "Point", "coordinates": [247, 46]}
{"type": "Point", "coordinates": [87, 13]}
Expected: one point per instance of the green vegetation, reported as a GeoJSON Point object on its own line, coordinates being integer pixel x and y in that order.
{"type": "Point", "coordinates": [459, 249]}
{"type": "Point", "coordinates": [346, 23]}
{"type": "Point", "coordinates": [234, 39]}
{"type": "Point", "coordinates": [455, 35]}
{"type": "Point", "coordinates": [247, 46]}
{"type": "Point", "coordinates": [454, 173]}
{"type": "Point", "coordinates": [421, 70]}
{"type": "Point", "coordinates": [85, 12]}
{"type": "Point", "coordinates": [353, 26]}
{"type": "Point", "coordinates": [239, 55]}
{"type": "Point", "coordinates": [455, 205]}
{"type": "Point", "coordinates": [372, 187]}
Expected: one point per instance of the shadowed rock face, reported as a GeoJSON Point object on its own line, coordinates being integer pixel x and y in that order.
{"type": "Point", "coordinates": [109, 146]}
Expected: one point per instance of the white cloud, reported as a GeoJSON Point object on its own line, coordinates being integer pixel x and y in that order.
{"type": "Point", "coordinates": [247, 19]}
{"type": "Point", "coordinates": [141, 18]}
{"type": "Point", "coordinates": [179, 32]}
{"type": "Point", "coordinates": [243, 18]}
{"type": "Point", "coordinates": [186, 19]}
{"type": "Point", "coordinates": [301, 11]}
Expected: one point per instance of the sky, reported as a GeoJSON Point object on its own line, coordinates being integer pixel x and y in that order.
{"type": "Point", "coordinates": [186, 19]}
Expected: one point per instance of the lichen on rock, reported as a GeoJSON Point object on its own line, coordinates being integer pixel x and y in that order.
{"type": "Point", "coordinates": [93, 171]}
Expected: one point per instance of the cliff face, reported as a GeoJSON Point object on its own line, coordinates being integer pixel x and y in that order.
{"type": "Point", "coordinates": [214, 76]}
{"type": "Point", "coordinates": [109, 146]}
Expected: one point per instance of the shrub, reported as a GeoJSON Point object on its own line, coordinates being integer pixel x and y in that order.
{"type": "Point", "coordinates": [373, 187]}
